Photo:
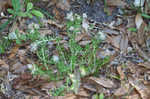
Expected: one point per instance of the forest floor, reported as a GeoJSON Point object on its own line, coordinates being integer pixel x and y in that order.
{"type": "Point", "coordinates": [75, 49]}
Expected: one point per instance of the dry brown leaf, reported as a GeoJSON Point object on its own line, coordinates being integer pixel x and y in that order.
{"type": "Point", "coordinates": [83, 43]}
{"type": "Point", "coordinates": [131, 22]}
{"type": "Point", "coordinates": [79, 37]}
{"type": "Point", "coordinates": [124, 89]}
{"type": "Point", "coordinates": [134, 96]}
{"type": "Point", "coordinates": [36, 97]}
{"type": "Point", "coordinates": [45, 32]}
{"type": "Point", "coordinates": [70, 96]}
{"type": "Point", "coordinates": [17, 66]}
{"type": "Point", "coordinates": [140, 87]}
{"type": "Point", "coordinates": [110, 31]}
{"type": "Point", "coordinates": [147, 7]}
{"type": "Point", "coordinates": [59, 15]}
{"type": "Point", "coordinates": [54, 23]}
{"type": "Point", "coordinates": [121, 73]}
{"type": "Point", "coordinates": [50, 85]}
{"type": "Point", "coordinates": [13, 52]}
{"type": "Point", "coordinates": [82, 93]}
{"type": "Point", "coordinates": [115, 41]}
{"type": "Point", "coordinates": [141, 53]}
{"type": "Point", "coordinates": [89, 87]}
{"type": "Point", "coordinates": [120, 3]}
{"type": "Point", "coordinates": [145, 64]}
{"type": "Point", "coordinates": [123, 43]}
{"type": "Point", "coordinates": [63, 4]}
{"type": "Point", "coordinates": [5, 4]}
{"type": "Point", "coordinates": [141, 34]}
{"type": "Point", "coordinates": [3, 64]}
{"type": "Point", "coordinates": [102, 81]}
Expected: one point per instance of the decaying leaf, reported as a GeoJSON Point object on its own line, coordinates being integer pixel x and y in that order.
{"type": "Point", "coordinates": [3, 64]}
{"type": "Point", "coordinates": [82, 36]}
{"type": "Point", "coordinates": [102, 81]}
{"type": "Point", "coordinates": [116, 3]}
{"type": "Point", "coordinates": [115, 41]}
{"type": "Point", "coordinates": [13, 51]}
{"type": "Point", "coordinates": [83, 43]}
{"type": "Point", "coordinates": [124, 89]}
{"type": "Point", "coordinates": [123, 43]}
{"type": "Point", "coordinates": [83, 93]}
{"type": "Point", "coordinates": [51, 22]}
{"type": "Point", "coordinates": [141, 34]}
{"type": "Point", "coordinates": [63, 4]}
{"type": "Point", "coordinates": [110, 31]}
{"type": "Point", "coordinates": [70, 96]}
{"type": "Point", "coordinates": [121, 73]}
{"type": "Point", "coordinates": [89, 87]}
{"type": "Point", "coordinates": [145, 64]}
{"type": "Point", "coordinates": [140, 87]}
{"type": "Point", "coordinates": [134, 96]}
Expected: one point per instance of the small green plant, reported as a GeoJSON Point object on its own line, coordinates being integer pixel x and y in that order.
{"type": "Point", "coordinates": [77, 58]}
{"type": "Point", "coordinates": [58, 91]}
{"type": "Point", "coordinates": [99, 96]}
{"type": "Point", "coordinates": [18, 11]}
{"type": "Point", "coordinates": [4, 44]}
{"type": "Point", "coordinates": [19, 38]}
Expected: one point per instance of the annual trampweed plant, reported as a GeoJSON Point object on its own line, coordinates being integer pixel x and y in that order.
{"type": "Point", "coordinates": [69, 64]}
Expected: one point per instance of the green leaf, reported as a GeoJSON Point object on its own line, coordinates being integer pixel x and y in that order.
{"type": "Point", "coordinates": [29, 6]}
{"type": "Point", "coordinates": [37, 13]}
{"type": "Point", "coordinates": [10, 11]}
{"type": "Point", "coordinates": [4, 25]}
{"type": "Point", "coordinates": [29, 15]}
{"type": "Point", "coordinates": [16, 5]}
{"type": "Point", "coordinates": [101, 96]}
{"type": "Point", "coordinates": [2, 50]}
{"type": "Point", "coordinates": [132, 29]}
{"type": "Point", "coordinates": [22, 14]}
{"type": "Point", "coordinates": [145, 15]}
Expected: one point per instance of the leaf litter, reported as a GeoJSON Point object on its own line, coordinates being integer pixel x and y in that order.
{"type": "Point", "coordinates": [126, 75]}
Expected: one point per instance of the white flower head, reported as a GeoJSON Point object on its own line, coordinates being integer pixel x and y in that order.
{"type": "Point", "coordinates": [32, 68]}
{"type": "Point", "coordinates": [71, 28]}
{"type": "Point", "coordinates": [55, 58]}
{"type": "Point", "coordinates": [36, 26]}
{"type": "Point", "coordinates": [12, 36]}
{"type": "Point", "coordinates": [101, 35]}
{"type": "Point", "coordinates": [84, 15]}
{"type": "Point", "coordinates": [33, 47]}
{"type": "Point", "coordinates": [70, 16]}
{"type": "Point", "coordinates": [33, 26]}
